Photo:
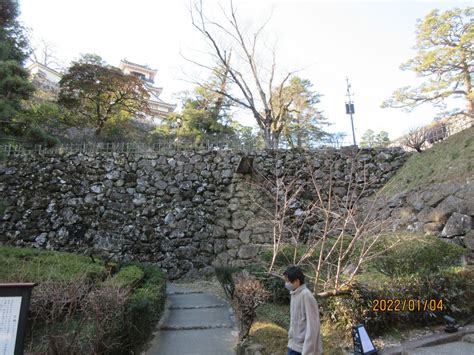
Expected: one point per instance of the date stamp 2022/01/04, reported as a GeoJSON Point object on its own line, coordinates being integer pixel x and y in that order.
{"type": "Point", "coordinates": [403, 305]}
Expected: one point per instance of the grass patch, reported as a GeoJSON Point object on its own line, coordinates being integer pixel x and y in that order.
{"type": "Point", "coordinates": [451, 160]}
{"type": "Point", "coordinates": [273, 337]}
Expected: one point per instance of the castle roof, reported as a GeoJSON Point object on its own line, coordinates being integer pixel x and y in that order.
{"type": "Point", "coordinates": [146, 68]}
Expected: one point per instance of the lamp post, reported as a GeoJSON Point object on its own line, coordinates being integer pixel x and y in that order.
{"type": "Point", "coordinates": [350, 109]}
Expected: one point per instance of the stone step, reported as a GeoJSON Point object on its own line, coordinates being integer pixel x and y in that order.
{"type": "Point", "coordinates": [200, 318]}
{"type": "Point", "coordinates": [195, 327]}
{"type": "Point", "coordinates": [175, 289]}
{"type": "Point", "coordinates": [199, 307]}
{"type": "Point", "coordinates": [217, 341]}
{"type": "Point", "coordinates": [183, 292]}
{"type": "Point", "coordinates": [193, 300]}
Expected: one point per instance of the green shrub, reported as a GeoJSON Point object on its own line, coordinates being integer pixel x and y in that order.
{"type": "Point", "coordinates": [38, 136]}
{"type": "Point", "coordinates": [144, 307]}
{"type": "Point", "coordinates": [128, 276]}
{"type": "Point", "coordinates": [275, 285]}
{"type": "Point", "coordinates": [224, 275]}
{"type": "Point", "coordinates": [35, 265]}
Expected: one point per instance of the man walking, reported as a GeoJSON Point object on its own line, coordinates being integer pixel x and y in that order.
{"type": "Point", "coordinates": [304, 337]}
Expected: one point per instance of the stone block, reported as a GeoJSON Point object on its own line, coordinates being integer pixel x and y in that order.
{"type": "Point", "coordinates": [244, 236]}
{"type": "Point", "coordinates": [222, 222]}
{"type": "Point", "coordinates": [161, 185]}
{"type": "Point", "coordinates": [238, 224]}
{"type": "Point", "coordinates": [232, 234]}
{"type": "Point", "coordinates": [218, 232]}
{"type": "Point", "coordinates": [405, 214]}
{"type": "Point", "coordinates": [248, 251]}
{"type": "Point", "coordinates": [233, 243]}
{"type": "Point", "coordinates": [468, 240]}
{"type": "Point", "coordinates": [448, 206]}
{"type": "Point", "coordinates": [458, 224]}
{"type": "Point", "coordinates": [425, 215]}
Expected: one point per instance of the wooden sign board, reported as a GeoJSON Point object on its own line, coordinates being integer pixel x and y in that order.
{"type": "Point", "coordinates": [14, 306]}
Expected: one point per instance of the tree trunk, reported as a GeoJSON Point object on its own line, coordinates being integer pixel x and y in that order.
{"type": "Point", "coordinates": [98, 131]}
{"type": "Point", "coordinates": [275, 136]}
{"type": "Point", "coordinates": [299, 142]}
{"type": "Point", "coordinates": [333, 293]}
{"type": "Point", "coordinates": [267, 137]}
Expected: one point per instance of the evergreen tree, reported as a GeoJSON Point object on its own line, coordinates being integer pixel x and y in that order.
{"type": "Point", "coordinates": [368, 139]}
{"type": "Point", "coordinates": [445, 58]}
{"type": "Point", "coordinates": [371, 139]}
{"type": "Point", "coordinates": [205, 113]}
{"type": "Point", "coordinates": [382, 139]}
{"type": "Point", "coordinates": [14, 84]}
{"type": "Point", "coordinates": [303, 124]}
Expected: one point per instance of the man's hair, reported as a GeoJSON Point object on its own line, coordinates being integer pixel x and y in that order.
{"type": "Point", "coordinates": [294, 273]}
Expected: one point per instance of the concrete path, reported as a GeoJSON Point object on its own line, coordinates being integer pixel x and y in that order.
{"type": "Point", "coordinates": [456, 348]}
{"type": "Point", "coordinates": [459, 343]}
{"type": "Point", "coordinates": [194, 323]}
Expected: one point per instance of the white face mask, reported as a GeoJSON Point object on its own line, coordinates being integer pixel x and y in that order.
{"type": "Point", "coordinates": [289, 286]}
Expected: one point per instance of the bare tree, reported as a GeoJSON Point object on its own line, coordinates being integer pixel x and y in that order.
{"type": "Point", "coordinates": [45, 53]}
{"type": "Point", "coordinates": [416, 138]}
{"type": "Point", "coordinates": [249, 293]}
{"type": "Point", "coordinates": [327, 223]}
{"type": "Point", "coordinates": [255, 85]}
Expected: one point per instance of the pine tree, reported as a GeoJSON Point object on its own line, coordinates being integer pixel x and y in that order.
{"type": "Point", "coordinates": [445, 58]}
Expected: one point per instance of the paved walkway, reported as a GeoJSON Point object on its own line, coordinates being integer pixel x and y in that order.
{"type": "Point", "coordinates": [459, 343]}
{"type": "Point", "coordinates": [194, 323]}
{"type": "Point", "coordinates": [456, 348]}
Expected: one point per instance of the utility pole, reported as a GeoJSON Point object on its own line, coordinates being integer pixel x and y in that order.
{"type": "Point", "coordinates": [350, 109]}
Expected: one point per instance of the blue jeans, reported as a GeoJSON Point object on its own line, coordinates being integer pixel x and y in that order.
{"type": "Point", "coordinates": [292, 352]}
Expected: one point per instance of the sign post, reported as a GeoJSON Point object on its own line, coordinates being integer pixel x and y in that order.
{"type": "Point", "coordinates": [14, 306]}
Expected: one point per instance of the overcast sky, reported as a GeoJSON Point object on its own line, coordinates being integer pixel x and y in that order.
{"type": "Point", "coordinates": [325, 40]}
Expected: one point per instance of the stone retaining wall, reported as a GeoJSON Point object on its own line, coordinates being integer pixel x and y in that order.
{"type": "Point", "coordinates": [183, 211]}
{"type": "Point", "coordinates": [444, 209]}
